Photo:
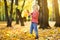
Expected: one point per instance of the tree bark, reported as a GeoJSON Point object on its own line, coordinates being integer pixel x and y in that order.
{"type": "Point", "coordinates": [20, 17]}
{"type": "Point", "coordinates": [17, 17]}
{"type": "Point", "coordinates": [40, 20]}
{"type": "Point", "coordinates": [18, 14]}
{"type": "Point", "coordinates": [11, 12]}
{"type": "Point", "coordinates": [6, 12]}
{"type": "Point", "coordinates": [56, 10]}
{"type": "Point", "coordinates": [0, 16]}
{"type": "Point", "coordinates": [8, 18]}
{"type": "Point", "coordinates": [45, 13]}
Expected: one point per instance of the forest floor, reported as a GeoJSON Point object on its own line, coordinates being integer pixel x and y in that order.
{"type": "Point", "coordinates": [17, 32]}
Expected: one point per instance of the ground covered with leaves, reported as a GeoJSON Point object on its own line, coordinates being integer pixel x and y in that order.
{"type": "Point", "coordinates": [17, 32]}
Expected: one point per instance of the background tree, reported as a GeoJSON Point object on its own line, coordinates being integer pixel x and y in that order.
{"type": "Point", "coordinates": [56, 11]}
{"type": "Point", "coordinates": [17, 14]}
{"type": "Point", "coordinates": [45, 14]}
{"type": "Point", "coordinates": [11, 12]}
{"type": "Point", "coordinates": [6, 12]}
{"type": "Point", "coordinates": [8, 18]}
{"type": "Point", "coordinates": [20, 17]}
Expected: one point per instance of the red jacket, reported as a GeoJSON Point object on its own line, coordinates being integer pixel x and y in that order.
{"type": "Point", "coordinates": [35, 15]}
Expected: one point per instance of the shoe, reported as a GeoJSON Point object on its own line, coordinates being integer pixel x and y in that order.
{"type": "Point", "coordinates": [36, 37]}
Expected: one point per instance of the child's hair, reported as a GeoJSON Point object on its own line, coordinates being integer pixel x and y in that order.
{"type": "Point", "coordinates": [36, 5]}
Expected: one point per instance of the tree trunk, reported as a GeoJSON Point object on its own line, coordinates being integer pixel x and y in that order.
{"type": "Point", "coordinates": [0, 16]}
{"type": "Point", "coordinates": [56, 10]}
{"type": "Point", "coordinates": [8, 18]}
{"type": "Point", "coordinates": [11, 12]}
{"type": "Point", "coordinates": [45, 13]}
{"type": "Point", "coordinates": [17, 17]}
{"type": "Point", "coordinates": [6, 12]}
{"type": "Point", "coordinates": [40, 20]}
{"type": "Point", "coordinates": [20, 17]}
{"type": "Point", "coordinates": [18, 14]}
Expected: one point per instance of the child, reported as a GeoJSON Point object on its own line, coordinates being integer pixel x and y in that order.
{"type": "Point", "coordinates": [34, 20]}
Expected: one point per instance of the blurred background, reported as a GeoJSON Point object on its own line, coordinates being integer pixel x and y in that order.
{"type": "Point", "coordinates": [15, 20]}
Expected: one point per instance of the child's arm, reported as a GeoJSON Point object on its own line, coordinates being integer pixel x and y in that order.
{"type": "Point", "coordinates": [30, 14]}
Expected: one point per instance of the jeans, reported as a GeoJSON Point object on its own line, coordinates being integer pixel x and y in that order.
{"type": "Point", "coordinates": [34, 26]}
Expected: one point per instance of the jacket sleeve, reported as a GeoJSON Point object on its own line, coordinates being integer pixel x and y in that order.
{"type": "Point", "coordinates": [35, 15]}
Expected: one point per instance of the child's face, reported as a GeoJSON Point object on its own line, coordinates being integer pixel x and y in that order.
{"type": "Point", "coordinates": [35, 7]}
